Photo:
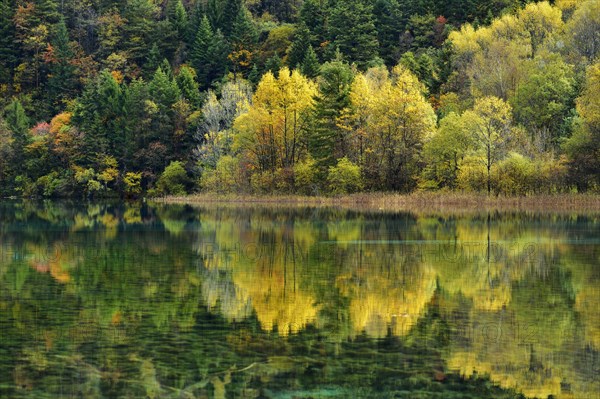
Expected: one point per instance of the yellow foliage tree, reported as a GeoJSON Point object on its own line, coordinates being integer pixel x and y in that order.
{"type": "Point", "coordinates": [273, 130]}
{"type": "Point", "coordinates": [391, 119]}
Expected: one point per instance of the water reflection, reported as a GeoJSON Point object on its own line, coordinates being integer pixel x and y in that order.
{"type": "Point", "coordinates": [158, 301]}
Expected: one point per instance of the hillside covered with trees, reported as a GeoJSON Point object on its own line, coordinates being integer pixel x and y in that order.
{"type": "Point", "coordinates": [155, 97]}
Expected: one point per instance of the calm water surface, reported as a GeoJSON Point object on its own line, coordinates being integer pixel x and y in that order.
{"type": "Point", "coordinates": [156, 301]}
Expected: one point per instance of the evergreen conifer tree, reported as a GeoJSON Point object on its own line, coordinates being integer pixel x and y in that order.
{"type": "Point", "coordinates": [352, 29]}
{"type": "Point", "coordinates": [310, 66]}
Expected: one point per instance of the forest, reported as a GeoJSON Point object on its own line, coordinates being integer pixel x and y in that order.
{"type": "Point", "coordinates": [135, 98]}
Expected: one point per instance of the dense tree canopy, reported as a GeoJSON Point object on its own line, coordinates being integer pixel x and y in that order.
{"type": "Point", "coordinates": [410, 92]}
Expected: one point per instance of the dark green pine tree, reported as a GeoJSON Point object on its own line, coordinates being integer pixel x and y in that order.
{"type": "Point", "coordinates": [46, 12]}
{"type": "Point", "coordinates": [195, 19]}
{"type": "Point", "coordinates": [200, 50]}
{"type": "Point", "coordinates": [140, 29]}
{"type": "Point", "coordinates": [138, 120]}
{"type": "Point", "coordinates": [209, 54]}
{"type": "Point", "coordinates": [254, 74]}
{"type": "Point", "coordinates": [165, 65]}
{"type": "Point", "coordinates": [178, 27]}
{"type": "Point", "coordinates": [219, 50]}
{"type": "Point", "coordinates": [310, 66]}
{"type": "Point", "coordinates": [352, 30]}
{"type": "Point", "coordinates": [243, 32]}
{"type": "Point", "coordinates": [178, 19]}
{"type": "Point", "coordinates": [273, 64]}
{"type": "Point", "coordinates": [153, 60]}
{"type": "Point", "coordinates": [421, 7]}
{"type": "Point", "coordinates": [186, 81]}
{"type": "Point", "coordinates": [101, 115]}
{"type": "Point", "coordinates": [8, 50]}
{"type": "Point", "coordinates": [313, 15]}
{"type": "Point", "coordinates": [164, 92]}
{"type": "Point", "coordinates": [231, 10]}
{"type": "Point", "coordinates": [214, 13]}
{"type": "Point", "coordinates": [299, 46]}
{"type": "Point", "coordinates": [62, 81]}
{"type": "Point", "coordinates": [18, 123]}
{"type": "Point", "coordinates": [388, 17]}
{"type": "Point", "coordinates": [328, 142]}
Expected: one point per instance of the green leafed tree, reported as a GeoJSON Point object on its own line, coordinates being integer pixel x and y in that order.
{"type": "Point", "coordinates": [299, 46]}
{"type": "Point", "coordinates": [583, 148]}
{"type": "Point", "coordinates": [18, 124]}
{"type": "Point", "coordinates": [489, 124]}
{"type": "Point", "coordinates": [164, 92]}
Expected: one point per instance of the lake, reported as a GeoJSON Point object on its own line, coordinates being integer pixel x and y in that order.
{"type": "Point", "coordinates": [170, 301]}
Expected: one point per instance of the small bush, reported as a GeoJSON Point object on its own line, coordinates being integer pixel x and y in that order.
{"type": "Point", "coordinates": [53, 185]}
{"type": "Point", "coordinates": [263, 182]}
{"type": "Point", "coordinates": [514, 175]}
{"type": "Point", "coordinates": [344, 178]}
{"type": "Point", "coordinates": [173, 180]}
{"type": "Point", "coordinates": [304, 176]}
{"type": "Point", "coordinates": [472, 175]}
{"type": "Point", "coordinates": [133, 183]}
{"type": "Point", "coordinates": [284, 180]}
{"type": "Point", "coordinates": [553, 176]}
{"type": "Point", "coordinates": [222, 179]}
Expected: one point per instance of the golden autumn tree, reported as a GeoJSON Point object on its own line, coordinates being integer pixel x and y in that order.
{"type": "Point", "coordinates": [391, 119]}
{"type": "Point", "coordinates": [272, 133]}
{"type": "Point", "coordinates": [491, 57]}
{"type": "Point", "coordinates": [489, 124]}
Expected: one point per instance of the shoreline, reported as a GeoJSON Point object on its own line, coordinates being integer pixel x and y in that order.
{"type": "Point", "coordinates": [415, 202]}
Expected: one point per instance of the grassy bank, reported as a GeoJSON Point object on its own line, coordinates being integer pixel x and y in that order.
{"type": "Point", "coordinates": [418, 202]}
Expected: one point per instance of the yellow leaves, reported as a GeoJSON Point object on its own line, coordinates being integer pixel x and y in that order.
{"type": "Point", "coordinates": [392, 104]}
{"type": "Point", "coordinates": [132, 181]}
{"type": "Point", "coordinates": [243, 58]}
{"type": "Point", "coordinates": [379, 303]}
{"type": "Point", "coordinates": [289, 91]}
{"type": "Point", "coordinates": [465, 39]}
{"type": "Point", "coordinates": [36, 40]}
{"type": "Point", "coordinates": [60, 121]}
{"type": "Point", "coordinates": [567, 5]}
{"type": "Point", "coordinates": [271, 128]}
{"type": "Point", "coordinates": [587, 303]}
{"type": "Point", "coordinates": [492, 56]}
{"type": "Point", "coordinates": [588, 105]}
{"type": "Point", "coordinates": [117, 76]}
{"type": "Point", "coordinates": [541, 21]}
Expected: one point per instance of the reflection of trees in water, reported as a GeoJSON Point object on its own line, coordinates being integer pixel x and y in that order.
{"type": "Point", "coordinates": [523, 310]}
{"type": "Point", "coordinates": [514, 277]}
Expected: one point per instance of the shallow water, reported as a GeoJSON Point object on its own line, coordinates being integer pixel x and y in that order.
{"type": "Point", "coordinates": [140, 300]}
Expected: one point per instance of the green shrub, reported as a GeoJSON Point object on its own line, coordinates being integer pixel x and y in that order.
{"type": "Point", "coordinates": [133, 183]}
{"type": "Point", "coordinates": [263, 182]}
{"type": "Point", "coordinates": [224, 178]}
{"type": "Point", "coordinates": [514, 175]}
{"type": "Point", "coordinates": [284, 180]}
{"type": "Point", "coordinates": [173, 180]}
{"type": "Point", "coordinates": [553, 176]}
{"type": "Point", "coordinates": [344, 178]}
{"type": "Point", "coordinates": [53, 185]}
{"type": "Point", "coordinates": [304, 176]}
{"type": "Point", "coordinates": [472, 175]}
